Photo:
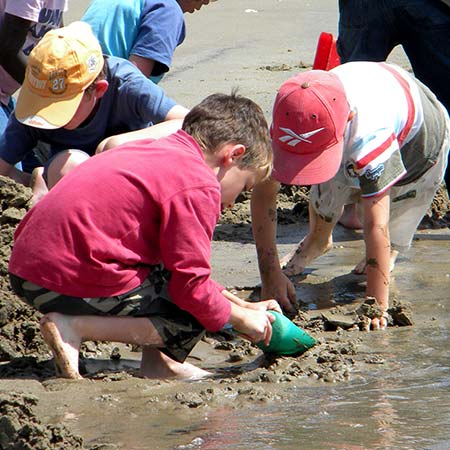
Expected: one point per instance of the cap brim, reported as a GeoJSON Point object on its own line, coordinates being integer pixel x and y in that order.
{"type": "Point", "coordinates": [45, 112]}
{"type": "Point", "coordinates": [304, 170]}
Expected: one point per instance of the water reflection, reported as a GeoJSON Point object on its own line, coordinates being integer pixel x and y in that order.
{"type": "Point", "coordinates": [398, 395]}
{"type": "Point", "coordinates": [403, 402]}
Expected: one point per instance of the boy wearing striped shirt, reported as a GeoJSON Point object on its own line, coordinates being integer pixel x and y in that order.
{"type": "Point", "coordinates": [362, 130]}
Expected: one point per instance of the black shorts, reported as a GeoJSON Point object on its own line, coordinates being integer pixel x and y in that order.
{"type": "Point", "coordinates": [179, 330]}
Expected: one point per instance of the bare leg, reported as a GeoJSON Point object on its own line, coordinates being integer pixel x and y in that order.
{"type": "Point", "coordinates": [360, 268]}
{"type": "Point", "coordinates": [64, 335]}
{"type": "Point", "coordinates": [350, 218]}
{"type": "Point", "coordinates": [156, 364]}
{"type": "Point", "coordinates": [318, 241]}
{"type": "Point", "coordinates": [64, 343]}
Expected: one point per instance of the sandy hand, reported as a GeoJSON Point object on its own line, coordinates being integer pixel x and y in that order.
{"type": "Point", "coordinates": [277, 286]}
{"type": "Point", "coordinates": [377, 323]}
{"type": "Point", "coordinates": [64, 343]}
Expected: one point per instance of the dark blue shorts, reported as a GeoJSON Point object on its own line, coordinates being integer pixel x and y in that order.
{"type": "Point", "coordinates": [370, 29]}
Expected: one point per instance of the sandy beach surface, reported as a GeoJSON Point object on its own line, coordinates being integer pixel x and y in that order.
{"type": "Point", "coordinates": [353, 390]}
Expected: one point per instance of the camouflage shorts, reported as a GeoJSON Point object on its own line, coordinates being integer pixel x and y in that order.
{"type": "Point", "coordinates": [179, 330]}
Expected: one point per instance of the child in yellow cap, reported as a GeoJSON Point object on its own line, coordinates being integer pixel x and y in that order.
{"type": "Point", "coordinates": [72, 98]}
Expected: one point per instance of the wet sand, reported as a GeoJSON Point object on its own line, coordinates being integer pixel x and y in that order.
{"type": "Point", "coordinates": [370, 390]}
{"type": "Point", "coordinates": [353, 390]}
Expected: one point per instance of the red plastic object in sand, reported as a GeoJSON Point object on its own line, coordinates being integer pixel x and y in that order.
{"type": "Point", "coordinates": [326, 54]}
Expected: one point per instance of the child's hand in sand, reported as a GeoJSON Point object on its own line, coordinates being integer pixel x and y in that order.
{"type": "Point", "coordinates": [279, 287]}
{"type": "Point", "coordinates": [377, 323]}
{"type": "Point", "coordinates": [378, 317]}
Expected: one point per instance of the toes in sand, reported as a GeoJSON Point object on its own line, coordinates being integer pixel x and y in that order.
{"type": "Point", "coordinates": [292, 263]}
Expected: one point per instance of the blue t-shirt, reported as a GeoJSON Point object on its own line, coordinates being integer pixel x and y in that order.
{"type": "Point", "coordinates": [130, 103]}
{"type": "Point", "coordinates": [150, 29]}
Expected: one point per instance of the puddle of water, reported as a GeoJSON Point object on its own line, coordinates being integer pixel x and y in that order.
{"type": "Point", "coordinates": [402, 404]}
{"type": "Point", "coordinates": [393, 407]}
{"type": "Point", "coordinates": [401, 401]}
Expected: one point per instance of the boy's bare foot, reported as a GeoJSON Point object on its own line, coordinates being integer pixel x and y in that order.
{"type": "Point", "coordinates": [350, 219]}
{"type": "Point", "coordinates": [295, 262]}
{"type": "Point", "coordinates": [64, 343]}
{"type": "Point", "coordinates": [156, 364]}
{"type": "Point", "coordinates": [360, 268]}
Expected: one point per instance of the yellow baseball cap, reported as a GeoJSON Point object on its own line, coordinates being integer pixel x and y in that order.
{"type": "Point", "coordinates": [62, 65]}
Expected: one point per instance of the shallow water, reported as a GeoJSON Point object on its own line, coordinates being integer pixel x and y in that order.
{"type": "Point", "coordinates": [395, 406]}
{"type": "Point", "coordinates": [401, 403]}
{"type": "Point", "coordinates": [398, 399]}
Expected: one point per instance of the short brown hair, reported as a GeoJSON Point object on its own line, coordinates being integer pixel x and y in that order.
{"type": "Point", "coordinates": [221, 119]}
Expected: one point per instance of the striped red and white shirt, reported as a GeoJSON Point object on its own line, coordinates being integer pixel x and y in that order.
{"type": "Point", "coordinates": [386, 140]}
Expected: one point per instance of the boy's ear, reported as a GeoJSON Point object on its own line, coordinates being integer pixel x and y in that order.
{"type": "Point", "coordinates": [101, 86]}
{"type": "Point", "coordinates": [233, 153]}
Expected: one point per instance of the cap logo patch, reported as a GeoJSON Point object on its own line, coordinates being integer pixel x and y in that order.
{"type": "Point", "coordinates": [292, 138]}
{"type": "Point", "coordinates": [92, 63]}
{"type": "Point", "coordinates": [58, 83]}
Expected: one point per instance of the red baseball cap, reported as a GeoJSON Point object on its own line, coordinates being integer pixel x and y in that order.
{"type": "Point", "coordinates": [309, 119]}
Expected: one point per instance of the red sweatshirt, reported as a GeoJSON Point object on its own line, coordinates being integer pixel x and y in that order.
{"type": "Point", "coordinates": [97, 232]}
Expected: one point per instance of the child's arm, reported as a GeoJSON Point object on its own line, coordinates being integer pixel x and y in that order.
{"type": "Point", "coordinates": [378, 250]}
{"type": "Point", "coordinates": [177, 112]}
{"type": "Point", "coordinates": [8, 170]}
{"type": "Point", "coordinates": [157, 131]}
{"type": "Point", "coordinates": [264, 222]}
{"type": "Point", "coordinates": [145, 65]}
